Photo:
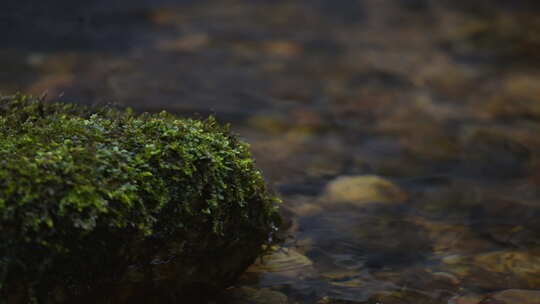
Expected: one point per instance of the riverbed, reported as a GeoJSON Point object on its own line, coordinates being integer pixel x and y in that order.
{"type": "Point", "coordinates": [401, 135]}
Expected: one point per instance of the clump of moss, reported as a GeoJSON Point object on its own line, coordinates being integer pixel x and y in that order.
{"type": "Point", "coordinates": [120, 206]}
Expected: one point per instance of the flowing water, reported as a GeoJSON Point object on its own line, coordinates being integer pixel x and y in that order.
{"type": "Point", "coordinates": [401, 135]}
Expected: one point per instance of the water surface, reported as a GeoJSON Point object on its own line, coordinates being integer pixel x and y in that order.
{"type": "Point", "coordinates": [401, 135]}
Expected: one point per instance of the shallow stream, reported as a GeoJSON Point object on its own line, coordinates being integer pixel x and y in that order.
{"type": "Point", "coordinates": [403, 136]}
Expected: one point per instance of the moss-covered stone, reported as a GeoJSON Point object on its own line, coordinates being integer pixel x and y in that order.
{"type": "Point", "coordinates": [102, 205]}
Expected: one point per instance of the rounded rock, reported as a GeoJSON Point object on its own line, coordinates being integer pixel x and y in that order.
{"type": "Point", "coordinates": [363, 189]}
{"type": "Point", "coordinates": [102, 205]}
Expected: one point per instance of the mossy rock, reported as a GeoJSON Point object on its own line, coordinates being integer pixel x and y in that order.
{"type": "Point", "coordinates": [105, 206]}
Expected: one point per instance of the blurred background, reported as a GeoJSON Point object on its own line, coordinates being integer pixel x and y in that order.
{"type": "Point", "coordinates": [403, 135]}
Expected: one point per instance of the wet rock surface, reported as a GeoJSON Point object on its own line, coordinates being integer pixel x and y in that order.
{"type": "Point", "coordinates": [402, 135]}
{"type": "Point", "coordinates": [363, 190]}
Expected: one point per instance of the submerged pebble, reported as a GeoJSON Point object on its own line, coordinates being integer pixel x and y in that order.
{"type": "Point", "coordinates": [514, 296]}
{"type": "Point", "coordinates": [363, 189]}
{"type": "Point", "coordinates": [466, 299]}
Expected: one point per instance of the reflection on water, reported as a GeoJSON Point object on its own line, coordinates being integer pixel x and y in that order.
{"type": "Point", "coordinates": [402, 135]}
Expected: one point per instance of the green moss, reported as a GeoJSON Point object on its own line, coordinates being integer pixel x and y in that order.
{"type": "Point", "coordinates": [88, 193]}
